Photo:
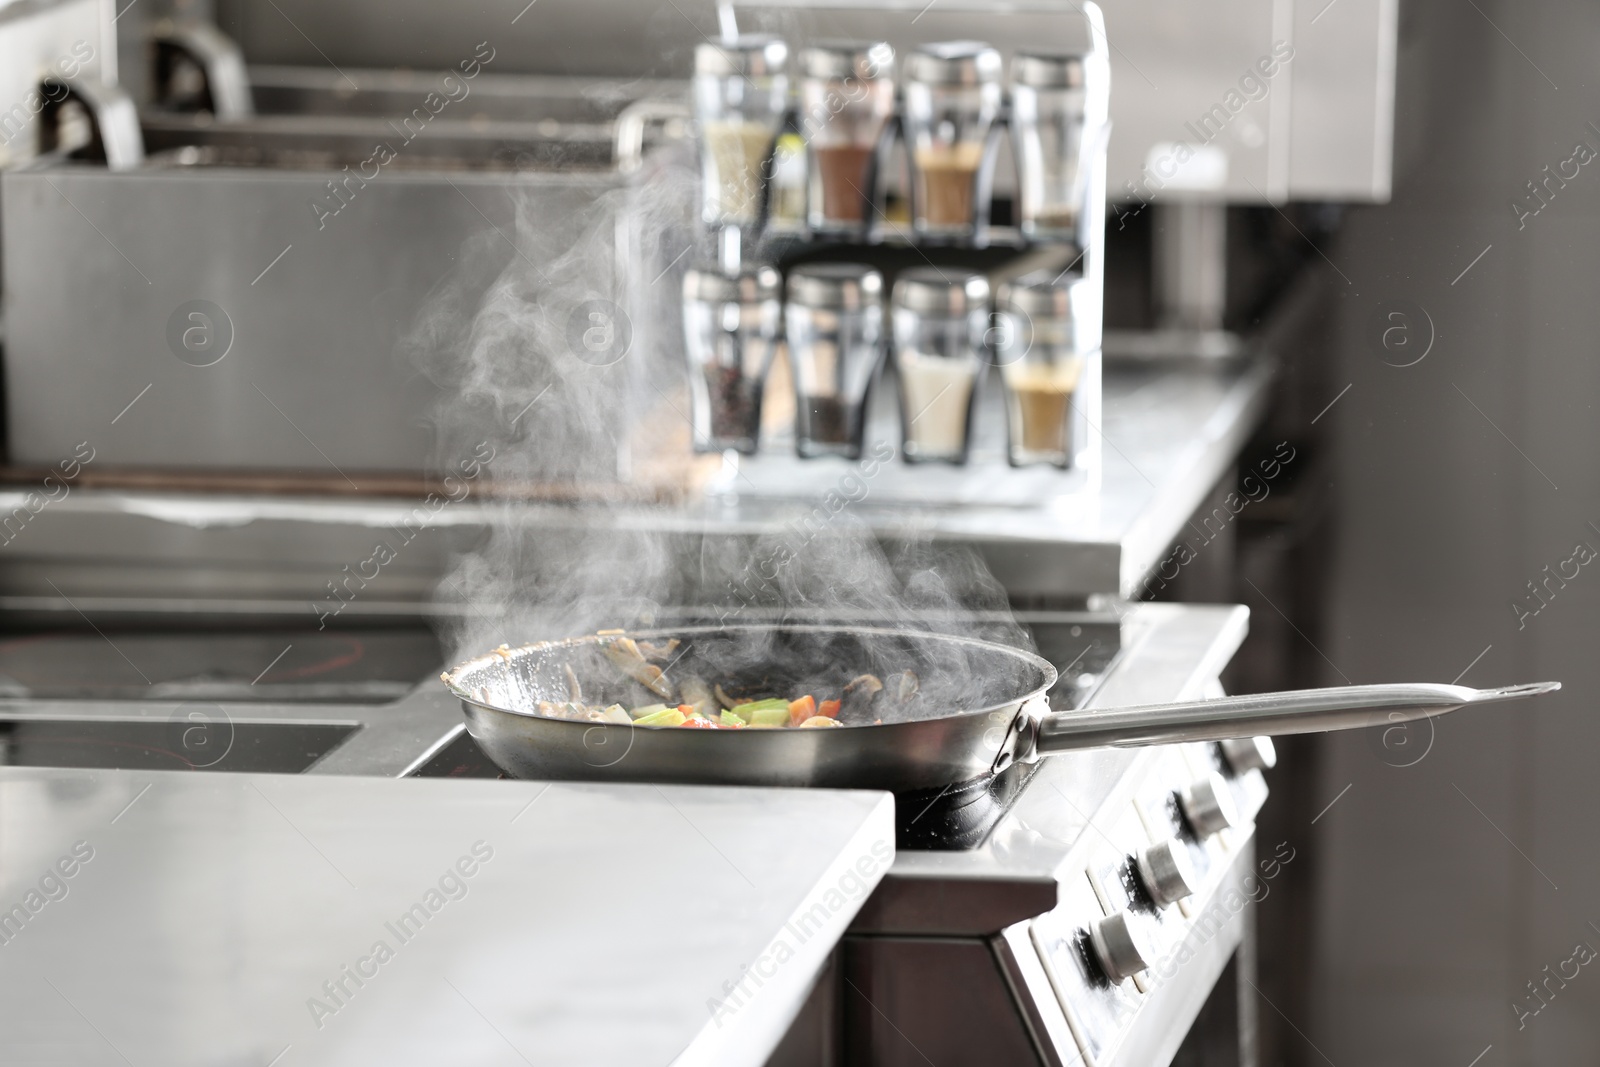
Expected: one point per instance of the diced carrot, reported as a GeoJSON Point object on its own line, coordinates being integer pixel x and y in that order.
{"type": "Point", "coordinates": [830, 708]}
{"type": "Point", "coordinates": [687, 709]}
{"type": "Point", "coordinates": [802, 709]}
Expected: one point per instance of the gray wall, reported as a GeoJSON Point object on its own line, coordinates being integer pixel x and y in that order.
{"type": "Point", "coordinates": [1431, 918]}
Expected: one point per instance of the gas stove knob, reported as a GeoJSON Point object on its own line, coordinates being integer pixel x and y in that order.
{"type": "Point", "coordinates": [1167, 874]}
{"type": "Point", "coordinates": [1246, 754]}
{"type": "Point", "coordinates": [1208, 805]}
{"type": "Point", "coordinates": [1122, 945]}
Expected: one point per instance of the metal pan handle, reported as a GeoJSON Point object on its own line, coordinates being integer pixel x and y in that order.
{"type": "Point", "coordinates": [1304, 711]}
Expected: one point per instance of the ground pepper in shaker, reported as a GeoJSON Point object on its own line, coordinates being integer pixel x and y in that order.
{"type": "Point", "coordinates": [1050, 367]}
{"type": "Point", "coordinates": [952, 94]}
{"type": "Point", "coordinates": [846, 97]}
{"type": "Point", "coordinates": [834, 323]}
{"type": "Point", "coordinates": [741, 90]}
{"type": "Point", "coordinates": [730, 326]}
{"type": "Point", "coordinates": [941, 319]}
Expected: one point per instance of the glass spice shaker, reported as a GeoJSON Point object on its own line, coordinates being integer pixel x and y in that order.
{"type": "Point", "coordinates": [941, 318]}
{"type": "Point", "coordinates": [730, 326]}
{"type": "Point", "coordinates": [952, 95]}
{"type": "Point", "coordinates": [1057, 104]}
{"type": "Point", "coordinates": [846, 97]}
{"type": "Point", "coordinates": [834, 321]}
{"type": "Point", "coordinates": [740, 92]}
{"type": "Point", "coordinates": [1049, 361]}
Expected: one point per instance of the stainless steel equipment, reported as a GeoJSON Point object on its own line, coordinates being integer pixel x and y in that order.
{"type": "Point", "coordinates": [990, 911]}
{"type": "Point", "coordinates": [64, 40]}
{"type": "Point", "coordinates": [1319, 127]}
{"type": "Point", "coordinates": [293, 210]}
{"type": "Point", "coordinates": [982, 710]}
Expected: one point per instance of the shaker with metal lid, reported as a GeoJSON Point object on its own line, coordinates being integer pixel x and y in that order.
{"type": "Point", "coordinates": [834, 323]}
{"type": "Point", "coordinates": [941, 318]}
{"type": "Point", "coordinates": [741, 89]}
{"type": "Point", "coordinates": [1049, 356]}
{"type": "Point", "coordinates": [846, 97]}
{"type": "Point", "coordinates": [952, 95]}
{"type": "Point", "coordinates": [1058, 106]}
{"type": "Point", "coordinates": [730, 326]}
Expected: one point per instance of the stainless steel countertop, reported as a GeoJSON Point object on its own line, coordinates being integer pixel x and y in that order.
{"type": "Point", "coordinates": [564, 923]}
{"type": "Point", "coordinates": [1171, 430]}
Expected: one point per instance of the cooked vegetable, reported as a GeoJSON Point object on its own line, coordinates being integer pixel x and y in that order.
{"type": "Point", "coordinates": [664, 717]}
{"type": "Point", "coordinates": [711, 707]}
{"type": "Point", "coordinates": [802, 709]}
{"type": "Point", "coordinates": [648, 709]}
{"type": "Point", "coordinates": [769, 716]}
{"type": "Point", "coordinates": [747, 710]}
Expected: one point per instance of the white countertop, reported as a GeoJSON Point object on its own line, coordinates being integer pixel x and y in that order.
{"type": "Point", "coordinates": [597, 925]}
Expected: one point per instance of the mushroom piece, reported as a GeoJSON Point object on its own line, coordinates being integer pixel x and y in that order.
{"type": "Point", "coordinates": [659, 652]}
{"type": "Point", "coordinates": [859, 696]}
{"type": "Point", "coordinates": [625, 654]}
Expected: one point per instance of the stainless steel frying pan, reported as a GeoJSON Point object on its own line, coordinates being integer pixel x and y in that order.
{"type": "Point", "coordinates": [981, 707]}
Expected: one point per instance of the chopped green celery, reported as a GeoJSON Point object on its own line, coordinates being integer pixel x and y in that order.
{"type": "Point", "coordinates": [664, 717]}
{"type": "Point", "coordinates": [744, 711]}
{"type": "Point", "coordinates": [771, 716]}
{"type": "Point", "coordinates": [730, 719]}
{"type": "Point", "coordinates": [648, 709]}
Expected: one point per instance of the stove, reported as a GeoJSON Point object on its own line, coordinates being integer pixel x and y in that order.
{"type": "Point", "coordinates": [1019, 922]}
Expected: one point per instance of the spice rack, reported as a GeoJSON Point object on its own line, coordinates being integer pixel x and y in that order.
{"type": "Point", "coordinates": [903, 210]}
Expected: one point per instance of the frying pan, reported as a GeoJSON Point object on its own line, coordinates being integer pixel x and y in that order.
{"type": "Point", "coordinates": [980, 708]}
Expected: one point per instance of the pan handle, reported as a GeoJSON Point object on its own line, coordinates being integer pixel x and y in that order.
{"type": "Point", "coordinates": [1303, 711]}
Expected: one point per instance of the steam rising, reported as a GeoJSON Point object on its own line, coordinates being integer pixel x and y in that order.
{"type": "Point", "coordinates": [609, 428]}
